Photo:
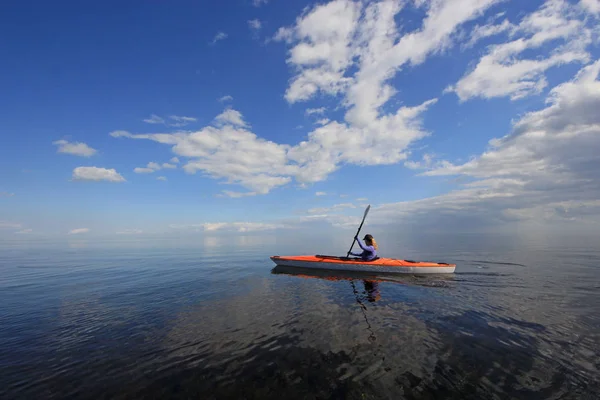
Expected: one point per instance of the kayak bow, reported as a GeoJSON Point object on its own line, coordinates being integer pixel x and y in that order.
{"type": "Point", "coordinates": [378, 265]}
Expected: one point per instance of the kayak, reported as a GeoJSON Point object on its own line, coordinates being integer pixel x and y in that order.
{"type": "Point", "coordinates": [378, 265]}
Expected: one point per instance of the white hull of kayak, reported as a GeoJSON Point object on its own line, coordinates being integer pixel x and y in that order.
{"type": "Point", "coordinates": [366, 267]}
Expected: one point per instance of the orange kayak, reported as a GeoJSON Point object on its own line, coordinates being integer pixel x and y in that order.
{"type": "Point", "coordinates": [378, 265]}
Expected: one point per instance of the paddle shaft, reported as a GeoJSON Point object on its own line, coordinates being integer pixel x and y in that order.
{"type": "Point", "coordinates": [359, 228]}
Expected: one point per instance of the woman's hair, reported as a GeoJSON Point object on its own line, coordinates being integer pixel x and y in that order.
{"type": "Point", "coordinates": [372, 241]}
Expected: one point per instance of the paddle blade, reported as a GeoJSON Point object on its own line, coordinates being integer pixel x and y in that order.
{"type": "Point", "coordinates": [366, 212]}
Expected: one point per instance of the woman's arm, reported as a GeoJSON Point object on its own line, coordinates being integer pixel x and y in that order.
{"type": "Point", "coordinates": [362, 246]}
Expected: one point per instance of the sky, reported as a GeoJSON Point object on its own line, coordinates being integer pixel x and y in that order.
{"type": "Point", "coordinates": [244, 116]}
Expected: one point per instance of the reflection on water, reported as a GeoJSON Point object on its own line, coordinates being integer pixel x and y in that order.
{"type": "Point", "coordinates": [219, 323]}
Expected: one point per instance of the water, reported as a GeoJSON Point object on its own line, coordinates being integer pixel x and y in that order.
{"type": "Point", "coordinates": [128, 320]}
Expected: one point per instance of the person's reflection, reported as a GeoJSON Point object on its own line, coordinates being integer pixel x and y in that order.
{"type": "Point", "coordinates": [372, 290]}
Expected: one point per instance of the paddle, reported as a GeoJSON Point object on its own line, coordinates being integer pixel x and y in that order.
{"type": "Point", "coordinates": [359, 228]}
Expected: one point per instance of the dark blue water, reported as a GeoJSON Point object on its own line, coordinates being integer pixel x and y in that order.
{"type": "Point", "coordinates": [212, 320]}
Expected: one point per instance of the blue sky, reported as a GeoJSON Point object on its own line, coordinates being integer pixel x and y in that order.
{"type": "Point", "coordinates": [396, 103]}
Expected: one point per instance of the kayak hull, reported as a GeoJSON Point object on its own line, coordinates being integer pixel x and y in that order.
{"type": "Point", "coordinates": [381, 265]}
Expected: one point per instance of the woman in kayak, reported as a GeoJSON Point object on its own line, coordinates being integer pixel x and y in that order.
{"type": "Point", "coordinates": [369, 248]}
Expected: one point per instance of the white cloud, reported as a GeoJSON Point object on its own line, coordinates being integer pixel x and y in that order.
{"type": "Point", "coordinates": [78, 231]}
{"type": "Point", "coordinates": [77, 148]}
{"type": "Point", "coordinates": [504, 72]}
{"type": "Point", "coordinates": [311, 111]}
{"type": "Point", "coordinates": [331, 36]}
{"type": "Point", "coordinates": [546, 167]}
{"type": "Point", "coordinates": [232, 117]}
{"type": "Point", "coordinates": [225, 98]}
{"type": "Point", "coordinates": [236, 195]}
{"type": "Point", "coordinates": [130, 232]}
{"type": "Point", "coordinates": [161, 178]}
{"type": "Point", "coordinates": [174, 160]}
{"type": "Point", "coordinates": [24, 231]}
{"type": "Point", "coordinates": [96, 174]}
{"type": "Point", "coordinates": [255, 24]}
{"type": "Point", "coordinates": [154, 119]}
{"type": "Point", "coordinates": [320, 194]}
{"type": "Point", "coordinates": [142, 170]}
{"type": "Point", "coordinates": [153, 167]}
{"type": "Point", "coordinates": [258, 3]}
{"type": "Point", "coordinates": [219, 36]}
{"type": "Point", "coordinates": [283, 34]}
{"type": "Point", "coordinates": [481, 32]}
{"type": "Point", "coordinates": [427, 162]}
{"type": "Point", "coordinates": [6, 194]}
{"type": "Point", "coordinates": [592, 6]}
{"type": "Point", "coordinates": [353, 50]}
{"type": "Point", "coordinates": [181, 121]}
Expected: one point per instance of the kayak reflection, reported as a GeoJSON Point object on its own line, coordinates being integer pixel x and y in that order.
{"type": "Point", "coordinates": [370, 281]}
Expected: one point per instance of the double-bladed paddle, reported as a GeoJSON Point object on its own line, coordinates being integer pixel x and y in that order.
{"type": "Point", "coordinates": [359, 228]}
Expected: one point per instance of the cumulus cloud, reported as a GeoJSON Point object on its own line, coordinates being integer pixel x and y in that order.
{"type": "Point", "coordinates": [332, 37]}
{"type": "Point", "coordinates": [592, 6]}
{"type": "Point", "coordinates": [504, 71]}
{"type": "Point", "coordinates": [96, 174]}
{"type": "Point", "coordinates": [161, 178]}
{"type": "Point", "coordinates": [231, 117]}
{"type": "Point", "coordinates": [327, 40]}
{"type": "Point", "coordinates": [351, 51]}
{"type": "Point", "coordinates": [225, 99]}
{"type": "Point", "coordinates": [230, 151]}
{"type": "Point", "coordinates": [546, 167]}
{"type": "Point", "coordinates": [77, 148]}
{"type": "Point", "coordinates": [78, 231]}
{"type": "Point", "coordinates": [174, 160]}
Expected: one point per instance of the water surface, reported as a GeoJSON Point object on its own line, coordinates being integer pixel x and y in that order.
{"type": "Point", "coordinates": [216, 320]}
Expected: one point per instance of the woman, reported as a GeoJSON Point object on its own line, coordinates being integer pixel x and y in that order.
{"type": "Point", "coordinates": [369, 248]}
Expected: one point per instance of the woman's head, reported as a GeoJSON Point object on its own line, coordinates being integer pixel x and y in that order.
{"type": "Point", "coordinates": [370, 241]}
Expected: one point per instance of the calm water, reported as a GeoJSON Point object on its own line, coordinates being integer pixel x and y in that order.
{"type": "Point", "coordinates": [518, 320]}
